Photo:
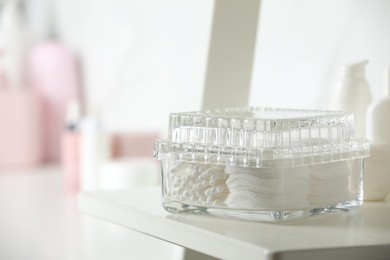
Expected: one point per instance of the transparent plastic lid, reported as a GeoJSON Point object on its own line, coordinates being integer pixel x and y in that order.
{"type": "Point", "coordinates": [260, 137]}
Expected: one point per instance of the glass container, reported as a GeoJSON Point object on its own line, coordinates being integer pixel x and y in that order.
{"type": "Point", "coordinates": [258, 163]}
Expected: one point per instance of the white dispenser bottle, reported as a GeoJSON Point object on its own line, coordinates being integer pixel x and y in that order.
{"type": "Point", "coordinates": [378, 127]}
{"type": "Point", "coordinates": [353, 94]}
{"type": "Point", "coordinates": [377, 166]}
{"type": "Point", "coordinates": [94, 151]}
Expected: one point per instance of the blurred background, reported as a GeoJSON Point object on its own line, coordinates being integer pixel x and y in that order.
{"type": "Point", "coordinates": [87, 85]}
{"type": "Point", "coordinates": [140, 60]}
{"type": "Point", "coordinates": [144, 59]}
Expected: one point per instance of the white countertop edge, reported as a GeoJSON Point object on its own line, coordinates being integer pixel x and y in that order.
{"type": "Point", "coordinates": [170, 230]}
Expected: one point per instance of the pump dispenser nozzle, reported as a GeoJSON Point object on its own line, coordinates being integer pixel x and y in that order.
{"type": "Point", "coordinates": [352, 94]}
{"type": "Point", "coordinates": [356, 69]}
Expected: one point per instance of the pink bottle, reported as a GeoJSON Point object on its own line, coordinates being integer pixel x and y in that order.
{"type": "Point", "coordinates": [53, 74]}
{"type": "Point", "coordinates": [20, 111]}
{"type": "Point", "coordinates": [20, 129]}
{"type": "Point", "coordinates": [70, 148]}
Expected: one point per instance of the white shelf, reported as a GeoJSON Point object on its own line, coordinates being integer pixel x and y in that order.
{"type": "Point", "coordinates": [361, 235]}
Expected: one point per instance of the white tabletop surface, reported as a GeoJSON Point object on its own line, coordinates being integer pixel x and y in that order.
{"type": "Point", "coordinates": [39, 220]}
{"type": "Point", "coordinates": [363, 234]}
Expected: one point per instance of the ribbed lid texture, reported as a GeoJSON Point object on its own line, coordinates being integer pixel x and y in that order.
{"type": "Point", "coordinates": [261, 137]}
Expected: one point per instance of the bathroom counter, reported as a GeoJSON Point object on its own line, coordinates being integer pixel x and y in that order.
{"type": "Point", "coordinates": [361, 235]}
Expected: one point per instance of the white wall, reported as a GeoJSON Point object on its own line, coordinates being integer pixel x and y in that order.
{"type": "Point", "coordinates": [144, 59]}
{"type": "Point", "coordinates": [303, 43]}
{"type": "Point", "coordinates": [141, 59]}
